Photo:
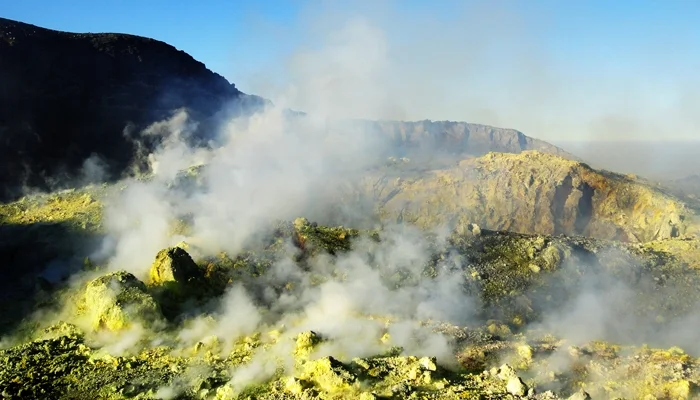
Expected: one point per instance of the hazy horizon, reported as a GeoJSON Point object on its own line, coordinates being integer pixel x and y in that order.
{"type": "Point", "coordinates": [653, 159]}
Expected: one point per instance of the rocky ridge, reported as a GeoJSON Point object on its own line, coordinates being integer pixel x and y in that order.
{"type": "Point", "coordinates": [426, 141]}
{"type": "Point", "coordinates": [529, 192]}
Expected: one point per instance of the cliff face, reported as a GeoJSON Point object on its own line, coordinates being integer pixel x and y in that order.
{"type": "Point", "coordinates": [460, 138]}
{"type": "Point", "coordinates": [531, 192]}
{"type": "Point", "coordinates": [65, 96]}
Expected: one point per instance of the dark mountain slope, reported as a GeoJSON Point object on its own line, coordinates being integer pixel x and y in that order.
{"type": "Point", "coordinates": [64, 96]}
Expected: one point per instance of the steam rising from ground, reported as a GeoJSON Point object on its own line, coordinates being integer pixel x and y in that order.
{"type": "Point", "coordinates": [263, 167]}
{"type": "Point", "coordinates": [269, 166]}
{"type": "Point", "coordinates": [605, 305]}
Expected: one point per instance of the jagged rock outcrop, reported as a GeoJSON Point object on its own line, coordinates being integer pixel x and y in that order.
{"type": "Point", "coordinates": [173, 265]}
{"type": "Point", "coordinates": [531, 192]}
{"type": "Point", "coordinates": [65, 96]}
{"type": "Point", "coordinates": [176, 281]}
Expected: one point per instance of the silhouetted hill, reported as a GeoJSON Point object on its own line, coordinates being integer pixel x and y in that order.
{"type": "Point", "coordinates": [65, 96]}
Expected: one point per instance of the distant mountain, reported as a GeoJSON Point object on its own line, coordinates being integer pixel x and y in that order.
{"type": "Point", "coordinates": [447, 138]}
{"type": "Point", "coordinates": [65, 96]}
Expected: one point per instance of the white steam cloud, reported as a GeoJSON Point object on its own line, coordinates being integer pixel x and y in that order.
{"type": "Point", "coordinates": [269, 166]}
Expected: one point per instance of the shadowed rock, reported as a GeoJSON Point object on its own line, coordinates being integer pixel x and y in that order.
{"type": "Point", "coordinates": [66, 96]}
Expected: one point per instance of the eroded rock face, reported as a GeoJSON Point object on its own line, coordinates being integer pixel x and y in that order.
{"type": "Point", "coordinates": [117, 301]}
{"type": "Point", "coordinates": [531, 192]}
{"type": "Point", "coordinates": [427, 140]}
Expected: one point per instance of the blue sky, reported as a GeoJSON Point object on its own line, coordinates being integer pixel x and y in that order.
{"type": "Point", "coordinates": [217, 31]}
{"type": "Point", "coordinates": [545, 64]}
{"type": "Point", "coordinates": [214, 32]}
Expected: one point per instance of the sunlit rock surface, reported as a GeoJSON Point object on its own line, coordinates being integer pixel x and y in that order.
{"type": "Point", "coordinates": [530, 192]}
{"type": "Point", "coordinates": [516, 279]}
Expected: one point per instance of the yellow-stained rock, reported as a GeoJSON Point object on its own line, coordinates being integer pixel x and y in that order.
{"type": "Point", "coordinates": [118, 300]}
{"type": "Point", "coordinates": [173, 264]}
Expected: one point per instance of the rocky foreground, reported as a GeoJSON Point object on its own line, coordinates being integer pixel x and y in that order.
{"type": "Point", "coordinates": [168, 333]}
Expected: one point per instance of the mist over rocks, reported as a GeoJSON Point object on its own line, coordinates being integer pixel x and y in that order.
{"type": "Point", "coordinates": [117, 300]}
{"type": "Point", "coordinates": [322, 347]}
{"type": "Point", "coordinates": [172, 265]}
